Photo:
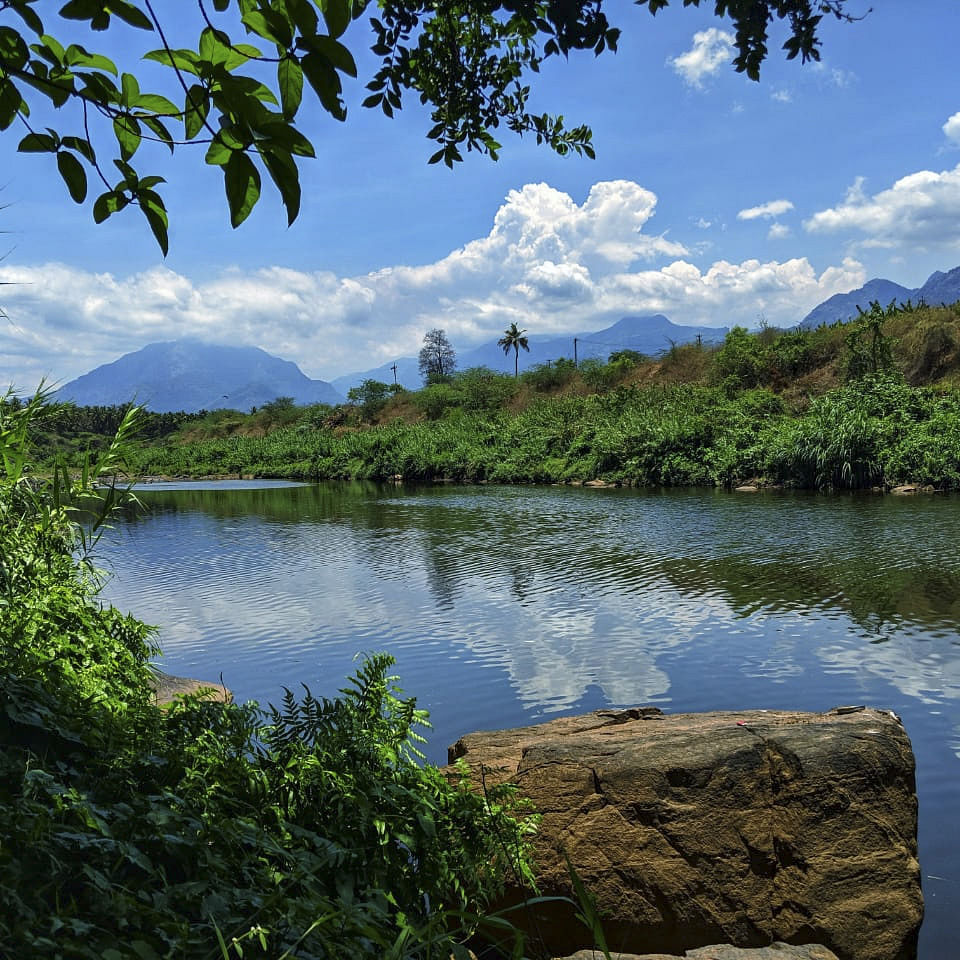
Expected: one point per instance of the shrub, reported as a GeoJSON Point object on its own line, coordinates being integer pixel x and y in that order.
{"type": "Point", "coordinates": [552, 375]}
{"type": "Point", "coordinates": [742, 362]}
{"type": "Point", "coordinates": [309, 829]}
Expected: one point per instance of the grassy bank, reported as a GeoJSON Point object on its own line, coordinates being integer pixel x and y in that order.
{"type": "Point", "coordinates": [871, 403]}
{"type": "Point", "coordinates": [876, 431]}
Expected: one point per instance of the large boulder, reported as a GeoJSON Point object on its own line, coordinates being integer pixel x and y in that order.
{"type": "Point", "coordinates": [741, 828]}
{"type": "Point", "coordinates": [166, 688]}
{"type": "Point", "coordinates": [777, 951]}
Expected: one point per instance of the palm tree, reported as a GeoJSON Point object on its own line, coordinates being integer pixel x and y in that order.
{"type": "Point", "coordinates": [515, 339]}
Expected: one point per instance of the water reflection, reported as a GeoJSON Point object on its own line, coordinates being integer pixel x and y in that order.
{"type": "Point", "coordinates": [507, 605]}
{"type": "Point", "coordinates": [567, 589]}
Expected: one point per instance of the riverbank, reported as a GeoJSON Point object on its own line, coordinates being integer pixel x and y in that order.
{"type": "Point", "coordinates": [875, 433]}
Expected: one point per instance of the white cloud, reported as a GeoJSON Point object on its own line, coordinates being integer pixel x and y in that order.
{"type": "Point", "coordinates": [550, 264]}
{"type": "Point", "coordinates": [782, 96]}
{"type": "Point", "coordinates": [712, 49]}
{"type": "Point", "coordinates": [778, 231]}
{"type": "Point", "coordinates": [922, 209]}
{"type": "Point", "coordinates": [767, 211]}
{"type": "Point", "coordinates": [952, 128]}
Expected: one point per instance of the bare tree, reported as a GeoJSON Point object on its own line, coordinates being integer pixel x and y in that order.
{"type": "Point", "coordinates": [437, 358]}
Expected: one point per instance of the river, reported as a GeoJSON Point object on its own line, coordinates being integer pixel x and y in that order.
{"type": "Point", "coordinates": [509, 605]}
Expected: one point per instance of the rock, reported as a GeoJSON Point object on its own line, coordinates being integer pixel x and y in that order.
{"type": "Point", "coordinates": [747, 488]}
{"type": "Point", "coordinates": [167, 688]}
{"type": "Point", "coordinates": [907, 489]}
{"type": "Point", "coordinates": [776, 951]}
{"type": "Point", "coordinates": [745, 828]}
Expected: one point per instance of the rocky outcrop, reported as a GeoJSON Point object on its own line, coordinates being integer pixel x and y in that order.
{"type": "Point", "coordinates": [743, 828]}
{"type": "Point", "coordinates": [776, 951]}
{"type": "Point", "coordinates": [167, 688]}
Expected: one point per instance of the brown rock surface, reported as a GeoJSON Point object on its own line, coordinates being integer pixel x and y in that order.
{"type": "Point", "coordinates": [745, 828]}
{"type": "Point", "coordinates": [167, 688]}
{"type": "Point", "coordinates": [776, 951]}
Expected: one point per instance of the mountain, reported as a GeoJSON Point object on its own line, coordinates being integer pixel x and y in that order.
{"type": "Point", "coordinates": [646, 334]}
{"type": "Point", "coordinates": [190, 375]}
{"type": "Point", "coordinates": [940, 288]}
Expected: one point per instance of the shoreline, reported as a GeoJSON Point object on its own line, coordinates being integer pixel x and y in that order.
{"type": "Point", "coordinates": [904, 489]}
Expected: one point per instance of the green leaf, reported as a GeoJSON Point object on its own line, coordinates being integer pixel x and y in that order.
{"type": "Point", "coordinates": [130, 90]}
{"type": "Point", "coordinates": [38, 143]}
{"type": "Point", "coordinates": [195, 109]}
{"type": "Point", "coordinates": [156, 104]}
{"type": "Point", "coordinates": [50, 49]}
{"type": "Point", "coordinates": [242, 183]}
{"type": "Point", "coordinates": [336, 14]}
{"type": "Point", "coordinates": [218, 153]}
{"type": "Point", "coordinates": [288, 138]}
{"type": "Point", "coordinates": [290, 81]}
{"type": "Point", "coordinates": [156, 214]}
{"type": "Point", "coordinates": [130, 178]}
{"type": "Point", "coordinates": [268, 24]}
{"type": "Point", "coordinates": [73, 175]}
{"type": "Point", "coordinates": [107, 204]}
{"type": "Point", "coordinates": [215, 46]}
{"type": "Point", "coordinates": [127, 131]}
{"type": "Point", "coordinates": [77, 56]}
{"type": "Point", "coordinates": [81, 146]}
{"type": "Point", "coordinates": [130, 14]}
{"type": "Point", "coordinates": [160, 131]}
{"type": "Point", "coordinates": [325, 82]}
{"type": "Point", "coordinates": [283, 171]}
{"type": "Point", "coordinates": [184, 60]}
{"type": "Point", "coordinates": [14, 52]}
{"type": "Point", "coordinates": [22, 9]}
{"type": "Point", "coordinates": [336, 53]}
{"type": "Point", "coordinates": [10, 102]}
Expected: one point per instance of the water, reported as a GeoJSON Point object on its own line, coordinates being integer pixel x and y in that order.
{"type": "Point", "coordinates": [510, 605]}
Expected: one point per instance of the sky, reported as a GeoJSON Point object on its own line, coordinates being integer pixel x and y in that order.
{"type": "Point", "coordinates": [713, 199]}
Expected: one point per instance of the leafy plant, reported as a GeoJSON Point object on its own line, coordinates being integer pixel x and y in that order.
{"type": "Point", "coordinates": [308, 830]}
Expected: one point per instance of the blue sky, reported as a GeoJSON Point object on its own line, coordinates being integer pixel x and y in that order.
{"type": "Point", "coordinates": [713, 199]}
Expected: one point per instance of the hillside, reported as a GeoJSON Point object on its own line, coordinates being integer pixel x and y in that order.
{"type": "Point", "coordinates": [189, 375]}
{"type": "Point", "coordinates": [650, 335]}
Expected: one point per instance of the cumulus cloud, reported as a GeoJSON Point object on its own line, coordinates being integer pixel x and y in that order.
{"type": "Point", "coordinates": [552, 265]}
{"type": "Point", "coordinates": [767, 211]}
{"type": "Point", "coordinates": [712, 49]}
{"type": "Point", "coordinates": [778, 231]}
{"type": "Point", "coordinates": [922, 208]}
{"type": "Point", "coordinates": [952, 128]}
{"type": "Point", "coordinates": [782, 96]}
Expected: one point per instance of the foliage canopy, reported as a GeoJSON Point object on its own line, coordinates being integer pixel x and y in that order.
{"type": "Point", "coordinates": [237, 91]}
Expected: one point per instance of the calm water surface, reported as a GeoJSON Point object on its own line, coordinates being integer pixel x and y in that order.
{"type": "Point", "coordinates": [505, 606]}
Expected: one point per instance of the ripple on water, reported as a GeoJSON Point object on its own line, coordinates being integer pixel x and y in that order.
{"type": "Point", "coordinates": [507, 606]}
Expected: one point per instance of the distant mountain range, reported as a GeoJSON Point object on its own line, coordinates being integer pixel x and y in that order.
{"type": "Point", "coordinates": [190, 375]}
{"type": "Point", "coordinates": [939, 289]}
{"type": "Point", "coordinates": [646, 334]}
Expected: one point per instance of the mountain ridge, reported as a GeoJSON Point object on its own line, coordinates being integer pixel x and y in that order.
{"type": "Point", "coordinates": [940, 288]}
{"type": "Point", "coordinates": [192, 375]}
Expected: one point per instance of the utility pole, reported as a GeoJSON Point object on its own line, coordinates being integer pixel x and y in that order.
{"type": "Point", "coordinates": [575, 352]}
{"type": "Point", "coordinates": [394, 369]}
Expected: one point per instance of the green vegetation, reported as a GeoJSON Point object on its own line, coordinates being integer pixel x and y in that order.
{"type": "Point", "coordinates": [207, 829]}
{"type": "Point", "coordinates": [871, 403]}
